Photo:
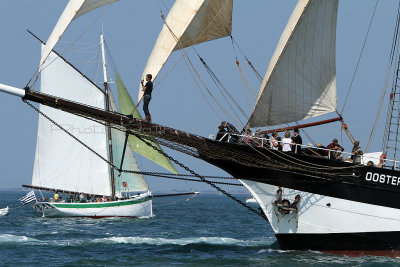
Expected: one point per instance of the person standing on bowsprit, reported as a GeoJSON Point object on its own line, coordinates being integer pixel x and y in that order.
{"type": "Point", "coordinates": [147, 88]}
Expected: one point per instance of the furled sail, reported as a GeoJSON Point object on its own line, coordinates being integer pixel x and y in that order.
{"type": "Point", "coordinates": [126, 106]}
{"type": "Point", "coordinates": [132, 181]}
{"type": "Point", "coordinates": [300, 82]}
{"type": "Point", "coordinates": [60, 161]}
{"type": "Point", "coordinates": [189, 23]}
{"type": "Point", "coordinates": [73, 10]}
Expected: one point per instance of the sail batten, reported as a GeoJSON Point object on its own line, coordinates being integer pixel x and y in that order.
{"type": "Point", "coordinates": [189, 23]}
{"type": "Point", "coordinates": [300, 82]}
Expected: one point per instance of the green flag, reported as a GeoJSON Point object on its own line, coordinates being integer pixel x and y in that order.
{"type": "Point", "coordinates": [127, 107]}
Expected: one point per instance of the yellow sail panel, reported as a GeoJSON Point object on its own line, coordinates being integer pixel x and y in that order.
{"type": "Point", "coordinates": [189, 23]}
{"type": "Point", "coordinates": [126, 106]}
{"type": "Point", "coordinates": [73, 10]}
{"type": "Point", "coordinates": [300, 82]}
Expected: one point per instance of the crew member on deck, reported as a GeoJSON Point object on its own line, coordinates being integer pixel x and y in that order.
{"type": "Point", "coordinates": [274, 141]}
{"type": "Point", "coordinates": [221, 135]}
{"type": "Point", "coordinates": [297, 141]}
{"type": "Point", "coordinates": [147, 88]}
{"type": "Point", "coordinates": [337, 154]}
{"type": "Point", "coordinates": [234, 138]}
{"type": "Point", "coordinates": [357, 152]}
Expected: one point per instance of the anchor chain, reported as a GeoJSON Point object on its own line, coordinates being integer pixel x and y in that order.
{"type": "Point", "coordinates": [212, 184]}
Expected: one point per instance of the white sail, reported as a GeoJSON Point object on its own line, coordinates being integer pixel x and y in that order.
{"type": "Point", "coordinates": [134, 182]}
{"type": "Point", "coordinates": [191, 22]}
{"type": "Point", "coordinates": [73, 10]}
{"type": "Point", "coordinates": [300, 82]}
{"type": "Point", "coordinates": [60, 161]}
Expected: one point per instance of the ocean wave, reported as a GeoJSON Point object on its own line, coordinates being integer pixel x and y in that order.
{"type": "Point", "coordinates": [8, 238]}
{"type": "Point", "coordinates": [224, 241]}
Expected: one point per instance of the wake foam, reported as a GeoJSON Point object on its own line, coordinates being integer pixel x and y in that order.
{"type": "Point", "coordinates": [7, 238]}
{"type": "Point", "coordinates": [225, 241]}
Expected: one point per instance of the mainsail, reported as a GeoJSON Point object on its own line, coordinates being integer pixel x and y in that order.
{"type": "Point", "coordinates": [189, 23]}
{"type": "Point", "coordinates": [132, 181]}
{"type": "Point", "coordinates": [60, 161]}
{"type": "Point", "coordinates": [300, 82]}
{"type": "Point", "coordinates": [73, 10]}
{"type": "Point", "coordinates": [126, 106]}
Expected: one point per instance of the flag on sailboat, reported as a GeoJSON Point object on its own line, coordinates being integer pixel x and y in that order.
{"type": "Point", "coordinates": [28, 198]}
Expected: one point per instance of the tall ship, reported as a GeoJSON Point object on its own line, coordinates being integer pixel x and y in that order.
{"type": "Point", "coordinates": [312, 198]}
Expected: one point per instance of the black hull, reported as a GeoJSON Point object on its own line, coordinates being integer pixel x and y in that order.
{"type": "Point", "coordinates": [372, 241]}
{"type": "Point", "coordinates": [345, 180]}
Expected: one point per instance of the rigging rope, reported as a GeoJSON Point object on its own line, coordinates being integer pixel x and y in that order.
{"type": "Point", "coordinates": [202, 178]}
{"type": "Point", "coordinates": [359, 58]}
{"type": "Point", "coordinates": [35, 76]}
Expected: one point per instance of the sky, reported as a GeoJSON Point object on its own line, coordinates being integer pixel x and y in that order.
{"type": "Point", "coordinates": [131, 28]}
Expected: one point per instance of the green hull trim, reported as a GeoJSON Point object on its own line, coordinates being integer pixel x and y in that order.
{"type": "Point", "coordinates": [99, 204]}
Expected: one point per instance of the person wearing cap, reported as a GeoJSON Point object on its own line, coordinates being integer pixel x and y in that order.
{"type": "Point", "coordinates": [356, 152]}
{"type": "Point", "coordinates": [337, 153]}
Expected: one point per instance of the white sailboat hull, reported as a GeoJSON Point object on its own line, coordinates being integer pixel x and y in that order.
{"type": "Point", "coordinates": [134, 207]}
{"type": "Point", "coordinates": [4, 212]}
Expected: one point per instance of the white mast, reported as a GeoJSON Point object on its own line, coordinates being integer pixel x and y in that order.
{"type": "Point", "coordinates": [109, 138]}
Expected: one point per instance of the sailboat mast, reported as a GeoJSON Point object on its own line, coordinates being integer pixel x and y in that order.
{"type": "Point", "coordinates": [109, 139]}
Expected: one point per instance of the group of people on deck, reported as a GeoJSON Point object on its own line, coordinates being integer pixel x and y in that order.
{"type": "Point", "coordinates": [77, 198]}
{"type": "Point", "coordinates": [290, 143]}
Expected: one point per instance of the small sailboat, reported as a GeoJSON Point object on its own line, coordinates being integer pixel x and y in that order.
{"type": "Point", "coordinates": [65, 166]}
{"type": "Point", "coordinates": [4, 212]}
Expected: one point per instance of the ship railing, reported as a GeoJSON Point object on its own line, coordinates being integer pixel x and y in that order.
{"type": "Point", "coordinates": [313, 150]}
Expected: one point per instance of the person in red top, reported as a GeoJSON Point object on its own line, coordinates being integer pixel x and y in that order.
{"type": "Point", "coordinates": [337, 153]}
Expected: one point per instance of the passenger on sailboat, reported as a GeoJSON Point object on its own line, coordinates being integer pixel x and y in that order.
{"type": "Point", "coordinates": [247, 139]}
{"type": "Point", "coordinates": [147, 88]}
{"type": "Point", "coordinates": [297, 141]}
{"type": "Point", "coordinates": [287, 142]}
{"type": "Point", "coordinates": [266, 142]}
{"type": "Point", "coordinates": [221, 135]}
{"type": "Point", "coordinates": [69, 198]}
{"type": "Point", "coordinates": [357, 152]}
{"type": "Point", "coordinates": [274, 141]}
{"type": "Point", "coordinates": [337, 154]}
{"type": "Point", "coordinates": [56, 197]}
{"type": "Point", "coordinates": [82, 198]}
{"type": "Point", "coordinates": [370, 163]}
{"type": "Point", "coordinates": [321, 150]}
{"type": "Point", "coordinates": [232, 130]}
{"type": "Point", "coordinates": [381, 163]}
{"type": "Point", "coordinates": [279, 141]}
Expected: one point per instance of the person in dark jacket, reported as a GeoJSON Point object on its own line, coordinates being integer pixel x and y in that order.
{"type": "Point", "coordinates": [297, 141]}
{"type": "Point", "coordinates": [148, 89]}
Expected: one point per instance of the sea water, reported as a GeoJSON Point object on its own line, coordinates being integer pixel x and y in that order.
{"type": "Point", "coordinates": [206, 230]}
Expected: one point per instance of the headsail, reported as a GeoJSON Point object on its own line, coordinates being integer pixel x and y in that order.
{"type": "Point", "coordinates": [73, 10]}
{"type": "Point", "coordinates": [133, 182]}
{"type": "Point", "coordinates": [126, 106]}
{"type": "Point", "coordinates": [192, 22]}
{"type": "Point", "coordinates": [60, 161]}
{"type": "Point", "coordinates": [300, 82]}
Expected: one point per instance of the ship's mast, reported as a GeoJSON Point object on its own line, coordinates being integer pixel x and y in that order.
{"type": "Point", "coordinates": [108, 128]}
